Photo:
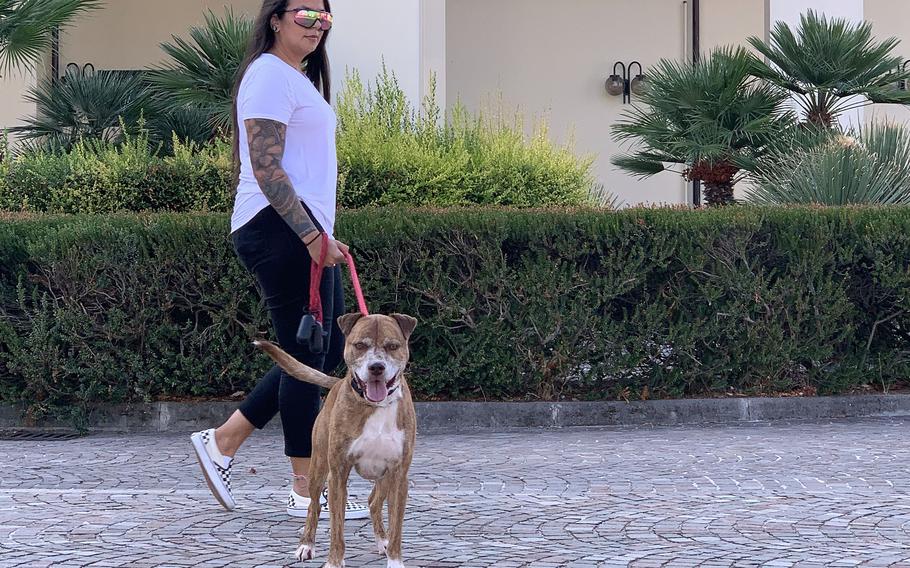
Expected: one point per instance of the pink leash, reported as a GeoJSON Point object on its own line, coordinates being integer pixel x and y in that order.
{"type": "Point", "coordinates": [316, 279]}
{"type": "Point", "coordinates": [355, 281]}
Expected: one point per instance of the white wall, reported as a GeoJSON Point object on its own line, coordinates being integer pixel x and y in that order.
{"type": "Point", "coordinates": [367, 31]}
{"type": "Point", "coordinates": [433, 47]}
{"type": "Point", "coordinates": [13, 106]}
{"type": "Point", "coordinates": [890, 18]}
{"type": "Point", "coordinates": [789, 11]}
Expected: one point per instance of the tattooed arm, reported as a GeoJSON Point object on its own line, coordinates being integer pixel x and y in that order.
{"type": "Point", "coordinates": [267, 140]}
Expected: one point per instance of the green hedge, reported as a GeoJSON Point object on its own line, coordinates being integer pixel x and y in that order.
{"type": "Point", "coordinates": [512, 304]}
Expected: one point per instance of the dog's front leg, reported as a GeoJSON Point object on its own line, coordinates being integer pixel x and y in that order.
{"type": "Point", "coordinates": [338, 498]}
{"type": "Point", "coordinates": [398, 497]}
{"type": "Point", "coordinates": [377, 500]}
{"type": "Point", "coordinates": [319, 470]}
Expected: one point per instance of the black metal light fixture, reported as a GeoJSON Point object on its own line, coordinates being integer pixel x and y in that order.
{"type": "Point", "coordinates": [616, 84]}
{"type": "Point", "coordinates": [86, 70]}
{"type": "Point", "coordinates": [623, 83]}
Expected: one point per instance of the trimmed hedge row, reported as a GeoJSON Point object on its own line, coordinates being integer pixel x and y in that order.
{"type": "Point", "coordinates": [527, 304]}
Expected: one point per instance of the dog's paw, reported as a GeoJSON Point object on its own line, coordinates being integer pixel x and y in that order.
{"type": "Point", "coordinates": [328, 565]}
{"type": "Point", "coordinates": [382, 544]}
{"type": "Point", "coordinates": [394, 564]}
{"type": "Point", "coordinates": [305, 552]}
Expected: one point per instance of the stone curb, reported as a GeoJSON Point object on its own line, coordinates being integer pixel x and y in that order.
{"type": "Point", "coordinates": [442, 417]}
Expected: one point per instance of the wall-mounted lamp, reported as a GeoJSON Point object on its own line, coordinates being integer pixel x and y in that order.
{"type": "Point", "coordinates": [624, 84]}
{"type": "Point", "coordinates": [902, 84]}
{"type": "Point", "coordinates": [86, 70]}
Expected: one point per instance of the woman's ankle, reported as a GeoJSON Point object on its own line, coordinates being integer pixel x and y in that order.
{"type": "Point", "coordinates": [302, 488]}
{"type": "Point", "coordinates": [227, 444]}
{"type": "Point", "coordinates": [233, 433]}
{"type": "Point", "coordinates": [301, 484]}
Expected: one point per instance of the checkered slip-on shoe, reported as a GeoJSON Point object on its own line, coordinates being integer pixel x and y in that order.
{"type": "Point", "coordinates": [298, 505]}
{"type": "Point", "coordinates": [216, 468]}
{"type": "Point", "coordinates": [353, 511]}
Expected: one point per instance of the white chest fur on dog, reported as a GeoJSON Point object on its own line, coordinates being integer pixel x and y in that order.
{"type": "Point", "coordinates": [380, 445]}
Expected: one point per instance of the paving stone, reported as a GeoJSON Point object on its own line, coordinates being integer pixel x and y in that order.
{"type": "Point", "coordinates": [802, 495]}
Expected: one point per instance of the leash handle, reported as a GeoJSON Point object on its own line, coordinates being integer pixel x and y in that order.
{"type": "Point", "coordinates": [316, 279]}
{"type": "Point", "coordinates": [355, 281]}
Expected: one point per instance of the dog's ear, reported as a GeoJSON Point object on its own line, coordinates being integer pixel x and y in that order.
{"type": "Point", "coordinates": [406, 323]}
{"type": "Point", "coordinates": [347, 322]}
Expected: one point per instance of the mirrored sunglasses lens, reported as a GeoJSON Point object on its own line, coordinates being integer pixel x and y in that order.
{"type": "Point", "coordinates": [305, 22]}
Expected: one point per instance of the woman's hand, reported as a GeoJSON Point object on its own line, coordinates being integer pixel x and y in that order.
{"type": "Point", "coordinates": [334, 253]}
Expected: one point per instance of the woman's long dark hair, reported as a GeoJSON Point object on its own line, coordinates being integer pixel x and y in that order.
{"type": "Point", "coordinates": [316, 64]}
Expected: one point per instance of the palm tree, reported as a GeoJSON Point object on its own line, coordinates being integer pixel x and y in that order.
{"type": "Point", "coordinates": [827, 63]}
{"type": "Point", "coordinates": [201, 73]}
{"type": "Point", "coordinates": [714, 118]}
{"type": "Point", "coordinates": [84, 107]}
{"type": "Point", "coordinates": [26, 28]}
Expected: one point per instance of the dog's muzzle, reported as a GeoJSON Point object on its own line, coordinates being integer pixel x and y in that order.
{"type": "Point", "coordinates": [364, 390]}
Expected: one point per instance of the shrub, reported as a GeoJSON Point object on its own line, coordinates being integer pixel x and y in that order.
{"type": "Point", "coordinates": [391, 154]}
{"type": "Point", "coordinates": [96, 177]}
{"type": "Point", "coordinates": [871, 166]}
{"type": "Point", "coordinates": [388, 155]}
{"type": "Point", "coordinates": [714, 119]}
{"type": "Point", "coordinates": [512, 304]}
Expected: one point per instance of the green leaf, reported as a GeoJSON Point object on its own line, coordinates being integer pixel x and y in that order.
{"type": "Point", "coordinates": [638, 165]}
{"type": "Point", "coordinates": [202, 71]}
{"type": "Point", "coordinates": [715, 112]}
{"type": "Point", "coordinates": [26, 27]}
{"type": "Point", "coordinates": [870, 166]}
{"type": "Point", "coordinates": [824, 60]}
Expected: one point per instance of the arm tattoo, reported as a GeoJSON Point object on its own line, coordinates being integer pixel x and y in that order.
{"type": "Point", "coordinates": [267, 139]}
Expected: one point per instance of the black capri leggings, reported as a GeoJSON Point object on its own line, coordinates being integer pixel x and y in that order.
{"type": "Point", "coordinates": [280, 262]}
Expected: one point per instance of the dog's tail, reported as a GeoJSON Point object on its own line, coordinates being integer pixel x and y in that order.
{"type": "Point", "coordinates": [294, 367]}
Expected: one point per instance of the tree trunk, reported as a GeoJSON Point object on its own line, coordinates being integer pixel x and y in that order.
{"type": "Point", "coordinates": [821, 118]}
{"type": "Point", "coordinates": [718, 177]}
{"type": "Point", "coordinates": [719, 194]}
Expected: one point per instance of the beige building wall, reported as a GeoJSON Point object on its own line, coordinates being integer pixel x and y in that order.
{"type": "Point", "coordinates": [523, 53]}
{"type": "Point", "coordinates": [890, 18]}
{"type": "Point", "coordinates": [358, 43]}
{"type": "Point", "coordinates": [433, 27]}
{"type": "Point", "coordinates": [731, 22]}
{"type": "Point", "coordinates": [13, 106]}
{"type": "Point", "coordinates": [126, 34]}
{"type": "Point", "coordinates": [123, 34]}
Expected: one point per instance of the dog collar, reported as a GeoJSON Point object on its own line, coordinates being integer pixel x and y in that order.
{"type": "Point", "coordinates": [356, 386]}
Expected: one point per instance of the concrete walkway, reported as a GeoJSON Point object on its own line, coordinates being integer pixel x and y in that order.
{"type": "Point", "coordinates": [828, 494]}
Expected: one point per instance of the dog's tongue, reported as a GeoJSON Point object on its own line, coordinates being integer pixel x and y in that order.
{"type": "Point", "coordinates": [376, 390]}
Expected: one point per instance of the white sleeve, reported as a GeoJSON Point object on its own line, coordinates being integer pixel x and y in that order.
{"type": "Point", "coordinates": [266, 94]}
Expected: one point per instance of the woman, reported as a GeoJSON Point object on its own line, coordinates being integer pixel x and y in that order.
{"type": "Point", "coordinates": [284, 147]}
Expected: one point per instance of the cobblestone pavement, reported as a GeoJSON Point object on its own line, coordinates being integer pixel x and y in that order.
{"type": "Point", "coordinates": [833, 494]}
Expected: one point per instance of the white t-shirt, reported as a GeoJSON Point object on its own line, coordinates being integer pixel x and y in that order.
{"type": "Point", "coordinates": [274, 90]}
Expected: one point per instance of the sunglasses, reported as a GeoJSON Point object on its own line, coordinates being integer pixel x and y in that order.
{"type": "Point", "coordinates": [309, 18]}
